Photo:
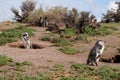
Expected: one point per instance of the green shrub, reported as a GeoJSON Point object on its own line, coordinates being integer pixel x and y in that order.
{"type": "Point", "coordinates": [69, 50]}
{"type": "Point", "coordinates": [4, 60]}
{"type": "Point", "coordinates": [61, 41]}
{"type": "Point", "coordinates": [89, 31]}
{"type": "Point", "coordinates": [68, 32]}
{"type": "Point", "coordinates": [12, 35]}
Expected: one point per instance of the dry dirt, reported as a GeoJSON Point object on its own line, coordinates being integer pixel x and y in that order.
{"type": "Point", "coordinates": [50, 55]}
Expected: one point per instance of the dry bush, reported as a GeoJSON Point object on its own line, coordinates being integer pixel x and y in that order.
{"type": "Point", "coordinates": [112, 15]}
{"type": "Point", "coordinates": [70, 18]}
{"type": "Point", "coordinates": [26, 7]}
{"type": "Point", "coordinates": [86, 20]}
{"type": "Point", "coordinates": [55, 14]}
{"type": "Point", "coordinates": [55, 17]}
{"type": "Point", "coordinates": [34, 16]}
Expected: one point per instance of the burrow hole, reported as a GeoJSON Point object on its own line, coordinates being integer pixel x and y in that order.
{"type": "Point", "coordinates": [115, 59]}
{"type": "Point", "coordinates": [33, 46]}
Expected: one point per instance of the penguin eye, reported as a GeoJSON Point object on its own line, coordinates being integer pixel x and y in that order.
{"type": "Point", "coordinates": [24, 34]}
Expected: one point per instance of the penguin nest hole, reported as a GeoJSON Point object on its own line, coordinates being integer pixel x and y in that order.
{"type": "Point", "coordinates": [33, 46]}
{"type": "Point", "coordinates": [114, 59]}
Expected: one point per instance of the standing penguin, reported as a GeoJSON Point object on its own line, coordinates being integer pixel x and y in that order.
{"type": "Point", "coordinates": [96, 53]}
{"type": "Point", "coordinates": [26, 40]}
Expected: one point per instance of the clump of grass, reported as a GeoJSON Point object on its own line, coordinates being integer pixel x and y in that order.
{"type": "Point", "coordinates": [79, 67]}
{"type": "Point", "coordinates": [4, 60]}
{"type": "Point", "coordinates": [46, 38]}
{"type": "Point", "coordinates": [12, 35]}
{"type": "Point", "coordinates": [82, 37]}
{"type": "Point", "coordinates": [68, 32]}
{"type": "Point", "coordinates": [58, 67]}
{"type": "Point", "coordinates": [44, 67]}
{"type": "Point", "coordinates": [61, 41]}
{"type": "Point", "coordinates": [19, 66]}
{"type": "Point", "coordinates": [27, 63]}
{"type": "Point", "coordinates": [89, 31]}
{"type": "Point", "coordinates": [69, 50]}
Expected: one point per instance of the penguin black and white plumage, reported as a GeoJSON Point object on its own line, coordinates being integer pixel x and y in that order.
{"type": "Point", "coordinates": [26, 40]}
{"type": "Point", "coordinates": [96, 53]}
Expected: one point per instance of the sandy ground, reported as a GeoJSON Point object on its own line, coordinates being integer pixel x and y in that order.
{"type": "Point", "coordinates": [50, 55]}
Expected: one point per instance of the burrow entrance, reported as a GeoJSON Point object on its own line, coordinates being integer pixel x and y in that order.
{"type": "Point", "coordinates": [115, 59]}
{"type": "Point", "coordinates": [33, 46]}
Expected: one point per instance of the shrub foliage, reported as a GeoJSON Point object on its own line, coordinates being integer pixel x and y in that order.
{"type": "Point", "coordinates": [26, 8]}
{"type": "Point", "coordinates": [112, 15]}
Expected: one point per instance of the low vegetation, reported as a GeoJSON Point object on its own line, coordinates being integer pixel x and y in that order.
{"type": "Point", "coordinates": [76, 26]}
{"type": "Point", "coordinates": [85, 72]}
{"type": "Point", "coordinates": [56, 72]}
{"type": "Point", "coordinates": [61, 42]}
{"type": "Point", "coordinates": [14, 34]}
{"type": "Point", "coordinates": [58, 67]}
{"type": "Point", "coordinates": [69, 50]}
{"type": "Point", "coordinates": [101, 31]}
{"type": "Point", "coordinates": [57, 41]}
{"type": "Point", "coordinates": [68, 37]}
{"type": "Point", "coordinates": [4, 60]}
{"type": "Point", "coordinates": [68, 32]}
